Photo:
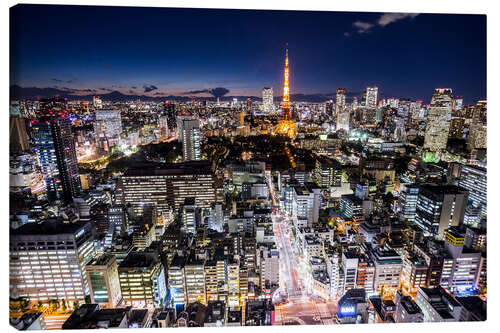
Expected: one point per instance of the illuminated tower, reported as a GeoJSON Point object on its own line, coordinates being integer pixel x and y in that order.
{"type": "Point", "coordinates": [285, 102]}
{"type": "Point", "coordinates": [286, 126]}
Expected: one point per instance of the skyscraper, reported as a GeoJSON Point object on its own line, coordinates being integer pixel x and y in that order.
{"type": "Point", "coordinates": [189, 134]}
{"type": "Point", "coordinates": [267, 100]}
{"type": "Point", "coordinates": [371, 97]}
{"type": "Point", "coordinates": [438, 121]}
{"type": "Point", "coordinates": [440, 207]}
{"type": "Point", "coordinates": [56, 153]}
{"type": "Point", "coordinates": [343, 121]}
{"type": "Point", "coordinates": [477, 132]}
{"type": "Point", "coordinates": [108, 125]}
{"type": "Point", "coordinates": [18, 136]}
{"type": "Point", "coordinates": [340, 101]}
{"type": "Point", "coordinates": [57, 254]}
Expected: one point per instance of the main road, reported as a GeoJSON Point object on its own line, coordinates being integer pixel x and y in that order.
{"type": "Point", "coordinates": [301, 308]}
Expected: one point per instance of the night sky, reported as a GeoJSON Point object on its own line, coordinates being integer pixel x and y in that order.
{"type": "Point", "coordinates": [177, 51]}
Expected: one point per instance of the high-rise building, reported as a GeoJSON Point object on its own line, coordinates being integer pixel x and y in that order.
{"type": "Point", "coordinates": [340, 100]}
{"type": "Point", "coordinates": [249, 104]}
{"type": "Point", "coordinates": [194, 275]}
{"type": "Point", "coordinates": [437, 305]}
{"type": "Point", "coordinates": [328, 173]}
{"type": "Point", "coordinates": [343, 119]}
{"type": "Point", "coordinates": [188, 127]}
{"type": "Point", "coordinates": [108, 124]}
{"type": "Point", "coordinates": [176, 280]}
{"type": "Point", "coordinates": [477, 131]}
{"type": "Point", "coordinates": [474, 179]}
{"type": "Point", "coordinates": [440, 207]}
{"type": "Point", "coordinates": [388, 266]}
{"type": "Point", "coordinates": [189, 216]}
{"type": "Point", "coordinates": [408, 201]}
{"type": "Point", "coordinates": [169, 185]}
{"type": "Point", "coordinates": [438, 121]}
{"type": "Point", "coordinates": [96, 102]}
{"type": "Point", "coordinates": [169, 111]}
{"type": "Point", "coordinates": [56, 153]}
{"type": "Point", "coordinates": [48, 261]}
{"type": "Point", "coordinates": [142, 280]}
{"type": "Point", "coordinates": [267, 100]}
{"type": "Point", "coordinates": [18, 136]}
{"type": "Point", "coordinates": [103, 281]}
{"type": "Point", "coordinates": [371, 97]}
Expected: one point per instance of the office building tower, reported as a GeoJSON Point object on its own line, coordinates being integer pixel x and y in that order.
{"type": "Point", "coordinates": [407, 311]}
{"type": "Point", "coordinates": [163, 126]}
{"type": "Point", "coordinates": [474, 179]}
{"type": "Point", "coordinates": [340, 100]}
{"type": "Point", "coordinates": [108, 126]}
{"type": "Point", "coordinates": [55, 148]}
{"type": "Point", "coordinates": [249, 104]}
{"type": "Point", "coordinates": [388, 266]}
{"type": "Point", "coordinates": [306, 202]}
{"type": "Point", "coordinates": [48, 261]}
{"type": "Point", "coordinates": [343, 120]}
{"type": "Point", "coordinates": [461, 266]}
{"type": "Point", "coordinates": [477, 138]}
{"type": "Point", "coordinates": [438, 121]}
{"type": "Point", "coordinates": [96, 102]}
{"type": "Point", "coordinates": [142, 280]}
{"type": "Point", "coordinates": [233, 283]}
{"type": "Point", "coordinates": [328, 173]}
{"type": "Point", "coordinates": [371, 97]}
{"type": "Point", "coordinates": [437, 305]}
{"type": "Point", "coordinates": [408, 201]}
{"type": "Point", "coordinates": [194, 276]}
{"type": "Point", "coordinates": [17, 134]}
{"type": "Point", "coordinates": [103, 281]}
{"type": "Point", "coordinates": [189, 216]}
{"type": "Point", "coordinates": [169, 185]}
{"type": "Point", "coordinates": [269, 266]}
{"type": "Point", "coordinates": [169, 110]}
{"type": "Point", "coordinates": [176, 281]}
{"type": "Point", "coordinates": [267, 100]}
{"type": "Point", "coordinates": [188, 127]}
{"type": "Point", "coordinates": [440, 207]}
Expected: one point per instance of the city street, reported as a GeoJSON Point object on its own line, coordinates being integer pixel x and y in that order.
{"type": "Point", "coordinates": [300, 308]}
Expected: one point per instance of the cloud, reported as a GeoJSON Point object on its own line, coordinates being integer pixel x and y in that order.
{"type": "Point", "coordinates": [193, 92]}
{"type": "Point", "coordinates": [62, 81]}
{"type": "Point", "coordinates": [216, 92]}
{"type": "Point", "coordinates": [106, 89]}
{"type": "Point", "coordinates": [148, 88]}
{"type": "Point", "coordinates": [363, 27]}
{"type": "Point", "coordinates": [134, 87]}
{"type": "Point", "coordinates": [389, 18]}
{"type": "Point", "coordinates": [384, 20]}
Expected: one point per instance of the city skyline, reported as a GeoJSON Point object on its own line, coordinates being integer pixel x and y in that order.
{"type": "Point", "coordinates": [359, 50]}
{"type": "Point", "coordinates": [130, 211]}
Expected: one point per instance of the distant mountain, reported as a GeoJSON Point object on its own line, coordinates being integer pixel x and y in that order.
{"type": "Point", "coordinates": [18, 92]}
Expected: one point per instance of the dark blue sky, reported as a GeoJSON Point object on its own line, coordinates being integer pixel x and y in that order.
{"type": "Point", "coordinates": [180, 50]}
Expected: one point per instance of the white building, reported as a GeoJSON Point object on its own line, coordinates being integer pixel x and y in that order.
{"type": "Point", "coordinates": [48, 260]}
{"type": "Point", "coordinates": [371, 97]}
{"type": "Point", "coordinates": [438, 121]}
{"type": "Point", "coordinates": [189, 135]}
{"type": "Point", "coordinates": [267, 100]}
